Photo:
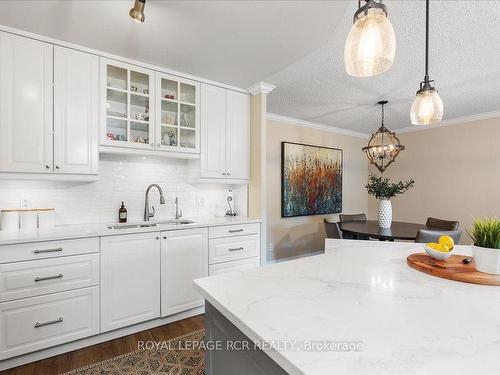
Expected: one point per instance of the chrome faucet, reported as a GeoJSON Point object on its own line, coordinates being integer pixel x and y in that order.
{"type": "Point", "coordinates": [178, 213]}
{"type": "Point", "coordinates": [147, 214]}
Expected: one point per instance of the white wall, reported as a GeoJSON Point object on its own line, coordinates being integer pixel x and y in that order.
{"type": "Point", "coordinates": [124, 178]}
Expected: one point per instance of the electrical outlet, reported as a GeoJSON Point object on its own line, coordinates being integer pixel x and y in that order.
{"type": "Point", "coordinates": [25, 202]}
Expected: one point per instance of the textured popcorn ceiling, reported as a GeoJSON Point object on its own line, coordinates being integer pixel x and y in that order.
{"type": "Point", "coordinates": [465, 63]}
{"type": "Point", "coordinates": [297, 46]}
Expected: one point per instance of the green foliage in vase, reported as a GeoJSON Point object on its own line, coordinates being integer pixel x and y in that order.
{"type": "Point", "coordinates": [382, 188]}
{"type": "Point", "coordinates": [485, 232]}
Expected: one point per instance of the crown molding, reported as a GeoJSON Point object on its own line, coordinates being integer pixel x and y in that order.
{"type": "Point", "coordinates": [450, 122]}
{"type": "Point", "coordinates": [315, 125]}
{"type": "Point", "coordinates": [261, 88]}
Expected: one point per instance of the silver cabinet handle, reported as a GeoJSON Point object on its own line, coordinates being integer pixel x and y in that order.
{"type": "Point", "coordinates": [58, 167]}
{"type": "Point", "coordinates": [224, 173]}
{"type": "Point", "coordinates": [47, 166]}
{"type": "Point", "coordinates": [48, 250]}
{"type": "Point", "coordinates": [236, 249]}
{"type": "Point", "coordinates": [157, 237]}
{"type": "Point", "coordinates": [164, 237]}
{"type": "Point", "coordinates": [48, 277]}
{"type": "Point", "coordinates": [236, 230]}
{"type": "Point", "coordinates": [38, 325]}
{"type": "Point", "coordinates": [228, 174]}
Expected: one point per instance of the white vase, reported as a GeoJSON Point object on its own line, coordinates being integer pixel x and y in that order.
{"type": "Point", "coordinates": [487, 260]}
{"type": "Point", "coordinates": [384, 213]}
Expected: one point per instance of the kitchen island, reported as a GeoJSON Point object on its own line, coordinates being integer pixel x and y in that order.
{"type": "Point", "coordinates": [357, 309]}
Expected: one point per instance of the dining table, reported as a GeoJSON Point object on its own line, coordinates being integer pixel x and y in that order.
{"type": "Point", "coordinates": [398, 230]}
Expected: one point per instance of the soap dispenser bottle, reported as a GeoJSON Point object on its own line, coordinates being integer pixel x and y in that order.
{"type": "Point", "coordinates": [122, 214]}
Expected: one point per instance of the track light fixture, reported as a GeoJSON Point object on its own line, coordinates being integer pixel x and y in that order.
{"type": "Point", "coordinates": [137, 12]}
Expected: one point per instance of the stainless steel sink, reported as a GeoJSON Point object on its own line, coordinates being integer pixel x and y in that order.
{"type": "Point", "coordinates": [131, 226]}
{"type": "Point", "coordinates": [149, 225]}
{"type": "Point", "coordinates": [176, 222]}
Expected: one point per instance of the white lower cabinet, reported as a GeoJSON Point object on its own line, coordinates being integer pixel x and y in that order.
{"type": "Point", "coordinates": [184, 257]}
{"type": "Point", "coordinates": [40, 322]}
{"type": "Point", "coordinates": [130, 279]}
{"type": "Point", "coordinates": [44, 276]}
{"type": "Point", "coordinates": [233, 248]}
{"type": "Point", "coordinates": [237, 265]}
{"type": "Point", "coordinates": [55, 292]}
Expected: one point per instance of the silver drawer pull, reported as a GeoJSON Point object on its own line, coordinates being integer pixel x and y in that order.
{"type": "Point", "coordinates": [48, 250]}
{"type": "Point", "coordinates": [236, 249]}
{"type": "Point", "coordinates": [236, 230]}
{"type": "Point", "coordinates": [38, 325]}
{"type": "Point", "coordinates": [48, 277]}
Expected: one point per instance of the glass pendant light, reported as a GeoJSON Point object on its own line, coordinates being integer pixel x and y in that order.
{"type": "Point", "coordinates": [371, 44]}
{"type": "Point", "coordinates": [137, 12]}
{"type": "Point", "coordinates": [428, 106]}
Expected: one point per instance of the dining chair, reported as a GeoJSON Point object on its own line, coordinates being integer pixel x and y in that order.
{"type": "Point", "coordinates": [429, 235]}
{"type": "Point", "coordinates": [349, 218]}
{"type": "Point", "coordinates": [332, 229]}
{"type": "Point", "coordinates": [352, 217]}
{"type": "Point", "coordinates": [436, 223]}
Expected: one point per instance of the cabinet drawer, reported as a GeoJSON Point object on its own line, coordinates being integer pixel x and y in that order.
{"type": "Point", "coordinates": [48, 249]}
{"type": "Point", "coordinates": [233, 230]}
{"type": "Point", "coordinates": [36, 323]}
{"type": "Point", "coordinates": [237, 265]}
{"type": "Point", "coordinates": [37, 277]}
{"type": "Point", "coordinates": [227, 249]}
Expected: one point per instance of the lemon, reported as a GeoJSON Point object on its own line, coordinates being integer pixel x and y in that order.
{"type": "Point", "coordinates": [432, 245]}
{"type": "Point", "coordinates": [441, 247]}
{"type": "Point", "coordinates": [448, 241]}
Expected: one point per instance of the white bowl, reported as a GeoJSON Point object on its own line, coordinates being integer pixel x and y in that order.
{"type": "Point", "coordinates": [438, 255]}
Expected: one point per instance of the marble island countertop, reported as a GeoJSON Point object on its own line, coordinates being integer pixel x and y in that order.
{"type": "Point", "coordinates": [405, 321]}
{"type": "Point", "coordinates": [61, 232]}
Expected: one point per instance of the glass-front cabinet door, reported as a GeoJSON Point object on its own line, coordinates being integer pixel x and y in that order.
{"type": "Point", "coordinates": [177, 114]}
{"type": "Point", "coordinates": [128, 108]}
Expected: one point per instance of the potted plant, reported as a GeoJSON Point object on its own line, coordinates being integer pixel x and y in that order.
{"type": "Point", "coordinates": [485, 234]}
{"type": "Point", "coordinates": [384, 190]}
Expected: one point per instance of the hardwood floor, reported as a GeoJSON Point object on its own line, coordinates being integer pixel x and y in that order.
{"type": "Point", "coordinates": [109, 349]}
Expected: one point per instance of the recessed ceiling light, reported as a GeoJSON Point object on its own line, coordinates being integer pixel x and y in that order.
{"type": "Point", "coordinates": [137, 12]}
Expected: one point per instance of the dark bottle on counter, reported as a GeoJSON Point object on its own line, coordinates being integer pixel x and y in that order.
{"type": "Point", "coordinates": [122, 214]}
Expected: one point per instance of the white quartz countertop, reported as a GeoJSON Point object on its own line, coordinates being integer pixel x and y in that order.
{"type": "Point", "coordinates": [363, 291]}
{"type": "Point", "coordinates": [98, 230]}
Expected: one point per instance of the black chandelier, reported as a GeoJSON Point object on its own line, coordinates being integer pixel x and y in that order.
{"type": "Point", "coordinates": [384, 146]}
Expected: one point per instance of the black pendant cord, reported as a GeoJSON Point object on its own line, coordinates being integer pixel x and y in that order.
{"type": "Point", "coordinates": [426, 41]}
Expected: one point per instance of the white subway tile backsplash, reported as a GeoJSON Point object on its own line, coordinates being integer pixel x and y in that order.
{"type": "Point", "coordinates": [125, 178]}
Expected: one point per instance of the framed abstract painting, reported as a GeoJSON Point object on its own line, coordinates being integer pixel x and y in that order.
{"type": "Point", "coordinates": [311, 180]}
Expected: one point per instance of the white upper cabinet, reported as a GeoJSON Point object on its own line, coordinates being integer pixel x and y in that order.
{"type": "Point", "coordinates": [76, 111]}
{"type": "Point", "coordinates": [177, 123]}
{"type": "Point", "coordinates": [225, 130]}
{"type": "Point", "coordinates": [237, 135]}
{"type": "Point", "coordinates": [25, 105]}
{"type": "Point", "coordinates": [126, 105]}
{"type": "Point", "coordinates": [213, 131]}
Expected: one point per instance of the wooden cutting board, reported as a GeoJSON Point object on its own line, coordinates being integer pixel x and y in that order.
{"type": "Point", "coordinates": [453, 269]}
